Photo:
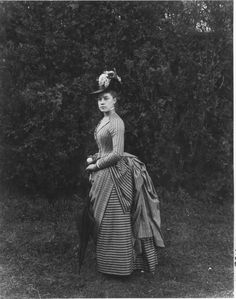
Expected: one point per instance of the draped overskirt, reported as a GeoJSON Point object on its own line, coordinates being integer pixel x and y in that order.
{"type": "Point", "coordinates": [127, 217]}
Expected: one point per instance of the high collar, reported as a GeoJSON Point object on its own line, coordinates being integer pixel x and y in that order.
{"type": "Point", "coordinates": [111, 112]}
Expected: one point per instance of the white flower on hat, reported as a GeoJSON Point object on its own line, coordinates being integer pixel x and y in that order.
{"type": "Point", "coordinates": [105, 78]}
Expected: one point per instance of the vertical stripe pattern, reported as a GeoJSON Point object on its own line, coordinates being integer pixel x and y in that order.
{"type": "Point", "coordinates": [110, 139]}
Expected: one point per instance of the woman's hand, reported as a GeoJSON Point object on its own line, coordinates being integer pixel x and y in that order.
{"type": "Point", "coordinates": [89, 160]}
{"type": "Point", "coordinates": [91, 167]}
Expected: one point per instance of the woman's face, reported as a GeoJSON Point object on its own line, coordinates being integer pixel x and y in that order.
{"type": "Point", "coordinates": [106, 102]}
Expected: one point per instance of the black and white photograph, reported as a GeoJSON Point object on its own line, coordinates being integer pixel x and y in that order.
{"type": "Point", "coordinates": [116, 149]}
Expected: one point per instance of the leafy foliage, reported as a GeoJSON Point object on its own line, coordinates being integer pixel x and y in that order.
{"type": "Point", "coordinates": [175, 59]}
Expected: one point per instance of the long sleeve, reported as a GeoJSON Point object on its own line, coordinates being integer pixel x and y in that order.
{"type": "Point", "coordinates": [116, 129]}
{"type": "Point", "coordinates": [95, 157]}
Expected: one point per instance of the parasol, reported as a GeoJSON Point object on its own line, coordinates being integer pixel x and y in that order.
{"type": "Point", "coordinates": [85, 227]}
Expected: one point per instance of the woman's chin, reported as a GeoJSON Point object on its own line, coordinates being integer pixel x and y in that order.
{"type": "Point", "coordinates": [104, 110]}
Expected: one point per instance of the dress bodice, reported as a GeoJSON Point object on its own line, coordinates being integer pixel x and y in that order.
{"type": "Point", "coordinates": [110, 140]}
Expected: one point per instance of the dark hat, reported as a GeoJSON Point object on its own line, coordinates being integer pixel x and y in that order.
{"type": "Point", "coordinates": [108, 80]}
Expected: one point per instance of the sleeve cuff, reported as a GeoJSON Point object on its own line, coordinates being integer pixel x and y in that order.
{"type": "Point", "coordinates": [97, 165]}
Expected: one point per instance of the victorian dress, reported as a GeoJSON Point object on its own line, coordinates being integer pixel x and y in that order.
{"type": "Point", "coordinates": [125, 205]}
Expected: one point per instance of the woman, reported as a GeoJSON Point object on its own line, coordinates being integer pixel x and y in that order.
{"type": "Point", "coordinates": [124, 202]}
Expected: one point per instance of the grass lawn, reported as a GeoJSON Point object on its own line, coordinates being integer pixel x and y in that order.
{"type": "Point", "coordinates": [38, 245]}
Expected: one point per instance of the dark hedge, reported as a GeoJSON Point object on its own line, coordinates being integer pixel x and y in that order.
{"type": "Point", "coordinates": [175, 59]}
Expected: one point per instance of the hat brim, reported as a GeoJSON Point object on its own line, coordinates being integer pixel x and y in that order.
{"type": "Point", "coordinates": [98, 91]}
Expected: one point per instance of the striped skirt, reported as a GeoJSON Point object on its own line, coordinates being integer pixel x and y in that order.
{"type": "Point", "coordinates": [115, 244]}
